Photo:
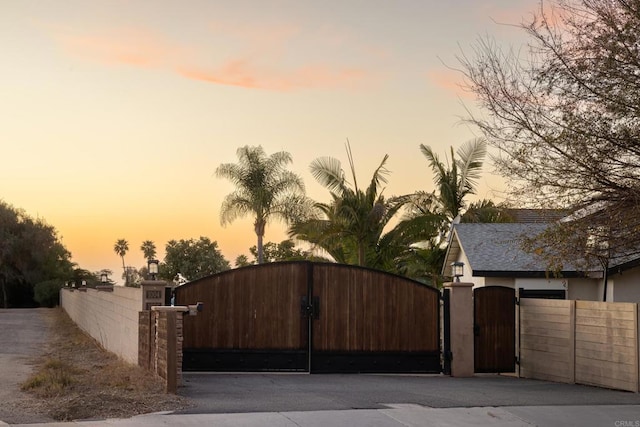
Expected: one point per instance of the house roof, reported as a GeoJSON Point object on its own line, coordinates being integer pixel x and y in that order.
{"type": "Point", "coordinates": [536, 215]}
{"type": "Point", "coordinates": [495, 249]}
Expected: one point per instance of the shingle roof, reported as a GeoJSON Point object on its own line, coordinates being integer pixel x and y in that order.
{"type": "Point", "coordinates": [536, 215]}
{"type": "Point", "coordinates": [497, 247]}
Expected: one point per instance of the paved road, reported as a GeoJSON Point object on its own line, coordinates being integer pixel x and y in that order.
{"type": "Point", "coordinates": [243, 393]}
{"type": "Point", "coordinates": [23, 334]}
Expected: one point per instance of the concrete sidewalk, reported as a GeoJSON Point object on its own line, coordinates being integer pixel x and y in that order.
{"type": "Point", "coordinates": [397, 415]}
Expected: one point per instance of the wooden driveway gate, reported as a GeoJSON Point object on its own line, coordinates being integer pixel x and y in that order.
{"type": "Point", "coordinates": [494, 329]}
{"type": "Point", "coordinates": [315, 317]}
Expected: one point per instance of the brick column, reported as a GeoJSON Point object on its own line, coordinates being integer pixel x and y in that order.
{"type": "Point", "coordinates": [168, 345]}
{"type": "Point", "coordinates": [461, 321]}
{"type": "Point", "coordinates": [146, 338]}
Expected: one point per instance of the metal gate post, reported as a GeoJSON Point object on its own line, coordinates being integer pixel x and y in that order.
{"type": "Point", "coordinates": [310, 315]}
{"type": "Point", "coordinates": [446, 333]}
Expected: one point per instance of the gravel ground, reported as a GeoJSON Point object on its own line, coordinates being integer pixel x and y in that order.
{"type": "Point", "coordinates": [97, 385]}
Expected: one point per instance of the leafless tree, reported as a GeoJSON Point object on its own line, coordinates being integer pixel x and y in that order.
{"type": "Point", "coordinates": [564, 113]}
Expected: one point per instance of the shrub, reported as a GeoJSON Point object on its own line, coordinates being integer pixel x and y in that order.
{"type": "Point", "coordinates": [47, 294]}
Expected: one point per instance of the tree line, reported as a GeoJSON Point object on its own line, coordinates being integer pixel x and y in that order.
{"type": "Point", "coordinates": [32, 259]}
{"type": "Point", "coordinates": [403, 234]}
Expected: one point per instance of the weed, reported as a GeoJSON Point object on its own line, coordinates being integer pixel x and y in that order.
{"type": "Point", "coordinates": [51, 379]}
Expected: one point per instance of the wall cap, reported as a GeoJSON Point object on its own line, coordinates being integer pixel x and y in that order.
{"type": "Point", "coordinates": [153, 283]}
{"type": "Point", "coordinates": [458, 285]}
{"type": "Point", "coordinates": [178, 308]}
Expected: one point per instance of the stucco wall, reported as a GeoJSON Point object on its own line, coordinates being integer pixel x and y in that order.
{"type": "Point", "coordinates": [542, 284]}
{"type": "Point", "coordinates": [625, 287]}
{"type": "Point", "coordinates": [109, 317]}
{"type": "Point", "coordinates": [584, 289]}
{"type": "Point", "coordinates": [467, 272]}
{"type": "Point", "coordinates": [507, 282]}
{"type": "Point", "coordinates": [577, 288]}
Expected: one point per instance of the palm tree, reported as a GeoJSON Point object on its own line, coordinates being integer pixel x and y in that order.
{"type": "Point", "coordinates": [457, 180]}
{"type": "Point", "coordinates": [354, 221]}
{"type": "Point", "coordinates": [121, 248]}
{"type": "Point", "coordinates": [264, 189]}
{"type": "Point", "coordinates": [148, 248]}
{"type": "Point", "coordinates": [486, 211]}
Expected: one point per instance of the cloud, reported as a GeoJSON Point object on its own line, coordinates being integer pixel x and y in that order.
{"type": "Point", "coordinates": [244, 74]}
{"type": "Point", "coordinates": [522, 14]}
{"type": "Point", "coordinates": [451, 81]}
{"type": "Point", "coordinates": [126, 47]}
{"type": "Point", "coordinates": [243, 65]}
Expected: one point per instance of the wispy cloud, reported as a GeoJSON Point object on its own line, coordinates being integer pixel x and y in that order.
{"type": "Point", "coordinates": [450, 80]}
{"type": "Point", "coordinates": [260, 62]}
{"type": "Point", "coordinates": [519, 14]}
{"type": "Point", "coordinates": [126, 47]}
{"type": "Point", "coordinates": [243, 74]}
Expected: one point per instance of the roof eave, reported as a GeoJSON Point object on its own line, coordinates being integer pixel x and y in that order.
{"type": "Point", "coordinates": [531, 274]}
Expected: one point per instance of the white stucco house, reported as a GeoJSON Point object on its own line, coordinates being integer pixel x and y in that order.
{"type": "Point", "coordinates": [493, 256]}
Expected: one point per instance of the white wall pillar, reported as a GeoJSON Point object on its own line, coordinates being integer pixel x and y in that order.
{"type": "Point", "coordinates": [461, 328]}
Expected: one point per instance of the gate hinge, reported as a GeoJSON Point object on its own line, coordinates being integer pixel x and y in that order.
{"type": "Point", "coordinates": [517, 300]}
{"type": "Point", "coordinates": [517, 360]}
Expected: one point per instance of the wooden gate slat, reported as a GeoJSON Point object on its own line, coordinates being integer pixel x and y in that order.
{"type": "Point", "coordinates": [494, 328]}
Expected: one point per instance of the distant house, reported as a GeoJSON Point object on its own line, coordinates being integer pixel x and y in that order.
{"type": "Point", "coordinates": [492, 254]}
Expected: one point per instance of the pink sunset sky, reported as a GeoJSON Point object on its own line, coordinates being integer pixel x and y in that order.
{"type": "Point", "coordinates": [116, 113]}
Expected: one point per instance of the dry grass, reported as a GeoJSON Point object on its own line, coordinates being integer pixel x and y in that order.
{"type": "Point", "coordinates": [77, 379]}
{"type": "Point", "coordinates": [51, 379]}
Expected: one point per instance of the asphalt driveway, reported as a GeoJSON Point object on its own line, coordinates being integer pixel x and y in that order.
{"type": "Point", "coordinates": [243, 393]}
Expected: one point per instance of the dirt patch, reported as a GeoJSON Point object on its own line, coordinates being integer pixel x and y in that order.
{"type": "Point", "coordinates": [78, 379]}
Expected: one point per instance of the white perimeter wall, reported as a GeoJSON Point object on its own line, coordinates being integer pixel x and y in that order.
{"type": "Point", "coordinates": [109, 317]}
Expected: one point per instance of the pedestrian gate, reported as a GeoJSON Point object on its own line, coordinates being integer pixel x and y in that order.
{"type": "Point", "coordinates": [494, 329]}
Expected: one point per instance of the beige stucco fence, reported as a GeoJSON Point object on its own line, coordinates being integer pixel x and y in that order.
{"type": "Point", "coordinates": [120, 320]}
{"type": "Point", "coordinates": [581, 342]}
{"type": "Point", "coordinates": [109, 317]}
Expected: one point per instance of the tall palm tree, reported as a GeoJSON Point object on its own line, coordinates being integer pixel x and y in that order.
{"type": "Point", "coordinates": [265, 189]}
{"type": "Point", "coordinates": [353, 223]}
{"type": "Point", "coordinates": [121, 248]}
{"type": "Point", "coordinates": [148, 248]}
{"type": "Point", "coordinates": [456, 180]}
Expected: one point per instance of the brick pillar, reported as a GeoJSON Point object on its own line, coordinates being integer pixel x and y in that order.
{"type": "Point", "coordinates": [168, 345]}
{"type": "Point", "coordinates": [461, 327]}
{"type": "Point", "coordinates": [146, 338]}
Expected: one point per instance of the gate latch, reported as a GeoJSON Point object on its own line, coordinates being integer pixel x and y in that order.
{"type": "Point", "coordinates": [310, 309]}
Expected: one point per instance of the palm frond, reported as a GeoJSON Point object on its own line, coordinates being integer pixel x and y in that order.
{"type": "Point", "coordinates": [352, 165]}
{"type": "Point", "coordinates": [328, 172]}
{"type": "Point", "coordinates": [470, 158]}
